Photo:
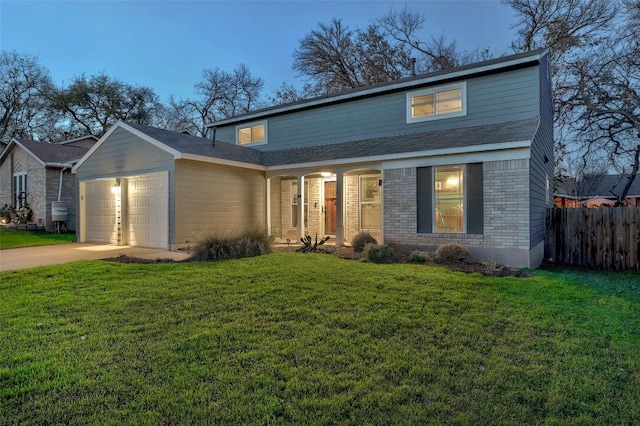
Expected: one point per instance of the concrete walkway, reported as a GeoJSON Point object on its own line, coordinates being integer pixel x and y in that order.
{"type": "Point", "coordinates": [30, 257]}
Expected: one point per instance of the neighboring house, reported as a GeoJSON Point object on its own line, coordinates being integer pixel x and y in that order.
{"type": "Point", "coordinates": [39, 173]}
{"type": "Point", "coordinates": [574, 193]}
{"type": "Point", "coordinates": [463, 155]}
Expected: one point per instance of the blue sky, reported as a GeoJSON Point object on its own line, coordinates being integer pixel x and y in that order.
{"type": "Point", "coordinates": [166, 44]}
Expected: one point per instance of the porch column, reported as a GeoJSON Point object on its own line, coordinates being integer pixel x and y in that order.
{"type": "Point", "coordinates": [339, 209]}
{"type": "Point", "coordinates": [267, 206]}
{"type": "Point", "coordinates": [300, 212]}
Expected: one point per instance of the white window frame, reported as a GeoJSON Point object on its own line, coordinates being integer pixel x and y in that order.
{"type": "Point", "coordinates": [251, 125]}
{"type": "Point", "coordinates": [361, 203]}
{"type": "Point", "coordinates": [294, 203]}
{"type": "Point", "coordinates": [547, 189]}
{"type": "Point", "coordinates": [20, 177]}
{"type": "Point", "coordinates": [465, 194]}
{"type": "Point", "coordinates": [462, 86]}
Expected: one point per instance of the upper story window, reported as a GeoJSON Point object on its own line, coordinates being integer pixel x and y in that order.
{"type": "Point", "coordinates": [251, 133]}
{"type": "Point", "coordinates": [437, 102]}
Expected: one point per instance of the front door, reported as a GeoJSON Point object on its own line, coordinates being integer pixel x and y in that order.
{"type": "Point", "coordinates": [330, 207]}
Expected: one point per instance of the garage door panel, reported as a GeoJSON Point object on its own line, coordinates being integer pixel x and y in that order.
{"type": "Point", "coordinates": [101, 226]}
{"type": "Point", "coordinates": [148, 210]}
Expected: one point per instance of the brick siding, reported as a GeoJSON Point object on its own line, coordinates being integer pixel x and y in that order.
{"type": "Point", "coordinates": [506, 209]}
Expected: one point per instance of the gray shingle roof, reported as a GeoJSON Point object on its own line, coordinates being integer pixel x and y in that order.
{"type": "Point", "coordinates": [606, 186]}
{"type": "Point", "coordinates": [511, 131]}
{"type": "Point", "coordinates": [52, 152]}
{"type": "Point", "coordinates": [188, 144]}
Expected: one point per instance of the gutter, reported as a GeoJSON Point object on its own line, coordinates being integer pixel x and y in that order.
{"type": "Point", "coordinates": [63, 167]}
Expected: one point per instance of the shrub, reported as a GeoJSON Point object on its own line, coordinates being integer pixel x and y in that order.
{"type": "Point", "coordinates": [253, 242]}
{"type": "Point", "coordinates": [377, 253]}
{"type": "Point", "coordinates": [5, 213]}
{"type": "Point", "coordinates": [214, 247]}
{"type": "Point", "coordinates": [246, 244]}
{"type": "Point", "coordinates": [452, 252]}
{"type": "Point", "coordinates": [361, 240]}
{"type": "Point", "coordinates": [24, 214]}
{"type": "Point", "coordinates": [417, 256]}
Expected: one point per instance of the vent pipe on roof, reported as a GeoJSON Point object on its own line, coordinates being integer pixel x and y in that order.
{"type": "Point", "coordinates": [412, 64]}
{"type": "Point", "coordinates": [213, 140]}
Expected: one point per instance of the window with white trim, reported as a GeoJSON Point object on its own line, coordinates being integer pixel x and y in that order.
{"type": "Point", "coordinates": [294, 204]}
{"type": "Point", "coordinates": [448, 198]}
{"type": "Point", "coordinates": [19, 189]}
{"type": "Point", "coordinates": [437, 102]}
{"type": "Point", "coordinates": [547, 189]}
{"type": "Point", "coordinates": [370, 194]}
{"type": "Point", "coordinates": [251, 133]}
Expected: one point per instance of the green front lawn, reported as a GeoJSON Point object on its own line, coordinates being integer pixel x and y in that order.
{"type": "Point", "coordinates": [312, 339]}
{"type": "Point", "coordinates": [10, 238]}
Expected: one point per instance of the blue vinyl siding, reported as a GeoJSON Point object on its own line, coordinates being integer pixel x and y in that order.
{"type": "Point", "coordinates": [541, 147]}
{"type": "Point", "coordinates": [511, 95]}
{"type": "Point", "coordinates": [122, 154]}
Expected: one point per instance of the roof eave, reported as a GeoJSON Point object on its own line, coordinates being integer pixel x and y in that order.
{"type": "Point", "coordinates": [486, 148]}
{"type": "Point", "coordinates": [222, 161]}
{"type": "Point", "coordinates": [121, 124]}
{"type": "Point", "coordinates": [15, 142]}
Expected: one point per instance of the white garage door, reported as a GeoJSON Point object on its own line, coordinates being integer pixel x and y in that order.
{"type": "Point", "coordinates": [100, 212]}
{"type": "Point", "coordinates": [148, 210]}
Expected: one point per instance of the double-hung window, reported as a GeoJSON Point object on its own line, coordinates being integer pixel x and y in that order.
{"type": "Point", "coordinates": [253, 133]}
{"type": "Point", "coordinates": [437, 102]}
{"type": "Point", "coordinates": [19, 189]}
{"type": "Point", "coordinates": [450, 199]}
{"type": "Point", "coordinates": [370, 217]}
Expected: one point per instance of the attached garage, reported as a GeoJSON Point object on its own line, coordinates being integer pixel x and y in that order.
{"type": "Point", "coordinates": [148, 187]}
{"type": "Point", "coordinates": [137, 204]}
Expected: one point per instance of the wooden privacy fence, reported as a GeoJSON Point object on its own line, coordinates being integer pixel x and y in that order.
{"type": "Point", "coordinates": [607, 238]}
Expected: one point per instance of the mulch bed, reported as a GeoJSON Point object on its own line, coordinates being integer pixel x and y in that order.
{"type": "Point", "coordinates": [485, 269]}
{"type": "Point", "coordinates": [123, 258]}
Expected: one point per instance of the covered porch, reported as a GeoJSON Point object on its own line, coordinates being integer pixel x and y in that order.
{"type": "Point", "coordinates": [338, 203]}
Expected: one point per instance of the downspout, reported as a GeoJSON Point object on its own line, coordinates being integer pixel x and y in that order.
{"type": "Point", "coordinates": [60, 184]}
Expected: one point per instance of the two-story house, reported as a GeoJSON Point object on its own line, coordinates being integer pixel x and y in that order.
{"type": "Point", "coordinates": [463, 155]}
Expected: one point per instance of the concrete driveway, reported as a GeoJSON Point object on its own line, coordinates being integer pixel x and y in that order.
{"type": "Point", "coordinates": [30, 257]}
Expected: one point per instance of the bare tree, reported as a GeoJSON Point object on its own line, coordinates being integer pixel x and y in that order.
{"type": "Point", "coordinates": [606, 99]}
{"type": "Point", "coordinates": [434, 53]}
{"type": "Point", "coordinates": [220, 94]}
{"type": "Point", "coordinates": [95, 103]}
{"type": "Point", "coordinates": [287, 93]}
{"type": "Point", "coordinates": [179, 116]}
{"type": "Point", "coordinates": [242, 92]}
{"type": "Point", "coordinates": [24, 110]}
{"type": "Point", "coordinates": [336, 58]}
{"type": "Point", "coordinates": [572, 30]}
{"type": "Point", "coordinates": [561, 25]}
